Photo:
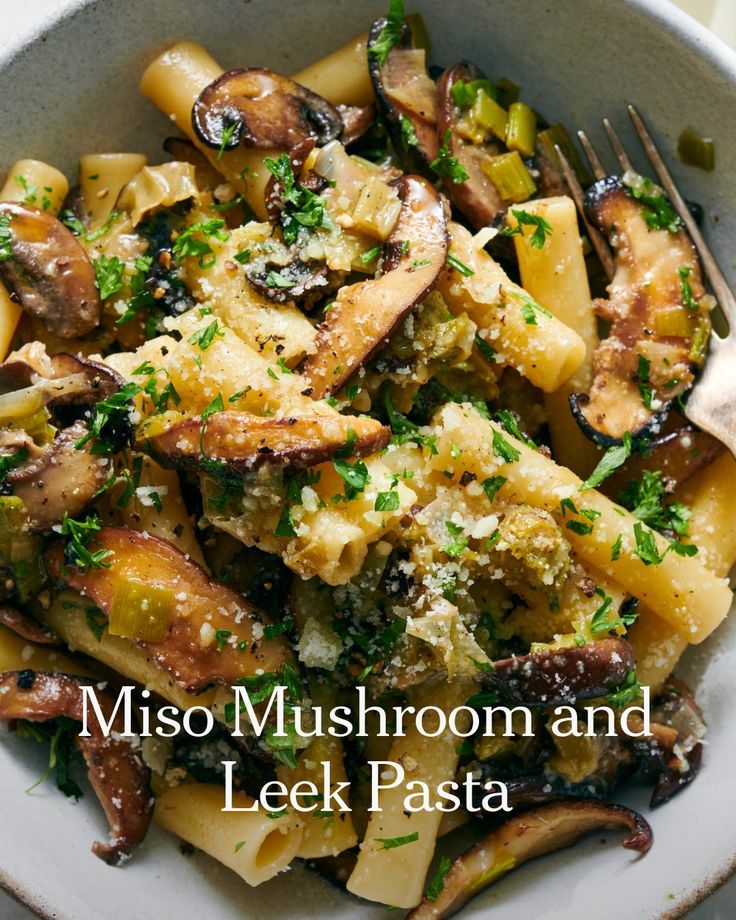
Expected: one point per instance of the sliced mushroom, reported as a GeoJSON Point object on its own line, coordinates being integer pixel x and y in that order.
{"type": "Point", "coordinates": [260, 108]}
{"type": "Point", "coordinates": [62, 479]}
{"type": "Point", "coordinates": [211, 632]}
{"type": "Point", "coordinates": [356, 121]}
{"type": "Point", "coordinates": [67, 385]}
{"type": "Point", "coordinates": [27, 628]}
{"type": "Point", "coordinates": [556, 676]}
{"type": "Point", "coordinates": [477, 197]}
{"type": "Point", "coordinates": [678, 455]}
{"type": "Point", "coordinates": [366, 314]}
{"type": "Point", "coordinates": [244, 442]}
{"type": "Point", "coordinates": [657, 306]}
{"type": "Point", "coordinates": [299, 281]}
{"type": "Point", "coordinates": [49, 272]}
{"type": "Point", "coordinates": [115, 769]}
{"type": "Point", "coordinates": [405, 94]}
{"type": "Point", "coordinates": [676, 708]}
{"type": "Point", "coordinates": [531, 834]}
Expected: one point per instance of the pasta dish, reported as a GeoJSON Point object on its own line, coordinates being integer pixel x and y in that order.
{"type": "Point", "coordinates": [344, 501]}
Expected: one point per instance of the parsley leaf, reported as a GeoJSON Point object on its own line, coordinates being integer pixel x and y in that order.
{"type": "Point", "coordinates": [656, 210]}
{"type": "Point", "coordinates": [459, 266]}
{"type": "Point", "coordinates": [492, 485]}
{"type": "Point", "coordinates": [109, 273]}
{"type": "Point", "coordinates": [446, 166]}
{"type": "Point", "coordinates": [629, 692]}
{"type": "Point", "coordinates": [542, 228]}
{"type": "Point", "coordinates": [6, 238]}
{"type": "Point", "coordinates": [529, 306]}
{"type": "Point", "coordinates": [109, 425]}
{"type": "Point", "coordinates": [302, 208]}
{"type": "Point", "coordinates": [390, 34]}
{"type": "Point", "coordinates": [408, 134]}
{"type": "Point", "coordinates": [436, 883]}
{"type": "Point", "coordinates": [355, 476]}
{"type": "Point", "coordinates": [502, 448]}
{"type": "Point", "coordinates": [387, 501]}
{"type": "Point", "coordinates": [187, 244]}
{"type": "Point", "coordinates": [206, 336]}
{"type": "Point", "coordinates": [80, 533]}
{"type": "Point", "coordinates": [686, 289]}
{"type": "Point", "coordinates": [390, 843]}
{"type": "Point", "coordinates": [613, 458]}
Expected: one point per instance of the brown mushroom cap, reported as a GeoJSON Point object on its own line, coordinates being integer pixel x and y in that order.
{"type": "Point", "coordinates": [201, 607]}
{"type": "Point", "coordinates": [49, 272]}
{"type": "Point", "coordinates": [356, 121]}
{"type": "Point", "coordinates": [524, 837]}
{"type": "Point", "coordinates": [26, 628]}
{"type": "Point", "coordinates": [62, 479]}
{"type": "Point", "coordinates": [647, 281]}
{"type": "Point", "coordinates": [365, 315]}
{"type": "Point", "coordinates": [115, 770]}
{"type": "Point", "coordinates": [245, 442]}
{"type": "Point", "coordinates": [477, 197]}
{"type": "Point", "coordinates": [260, 108]}
{"type": "Point", "coordinates": [556, 676]}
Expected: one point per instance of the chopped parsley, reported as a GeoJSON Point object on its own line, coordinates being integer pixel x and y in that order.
{"type": "Point", "coordinates": [629, 692]}
{"type": "Point", "coordinates": [459, 266]}
{"type": "Point", "coordinates": [387, 501]}
{"type": "Point", "coordinates": [613, 458]}
{"type": "Point", "coordinates": [492, 486]}
{"type": "Point", "coordinates": [227, 135]}
{"type": "Point", "coordinates": [529, 306]}
{"type": "Point", "coordinates": [647, 551]}
{"type": "Point", "coordinates": [390, 34]}
{"type": "Point", "coordinates": [604, 619]}
{"type": "Point", "coordinates": [645, 388]}
{"type": "Point", "coordinates": [370, 255]}
{"type": "Point", "coordinates": [645, 500]}
{"type": "Point", "coordinates": [509, 421]}
{"type": "Point", "coordinates": [656, 209]}
{"type": "Point", "coordinates": [216, 405]}
{"type": "Point", "coordinates": [6, 238]}
{"type": "Point", "coordinates": [446, 166]}
{"type": "Point", "coordinates": [390, 843]}
{"type": "Point", "coordinates": [206, 336]}
{"type": "Point", "coordinates": [355, 476]}
{"type": "Point", "coordinates": [542, 228]}
{"type": "Point", "coordinates": [9, 461]}
{"type": "Point", "coordinates": [301, 207]}
{"type": "Point", "coordinates": [193, 241]}
{"type": "Point", "coordinates": [109, 273]}
{"type": "Point", "coordinates": [488, 352]}
{"type": "Point", "coordinates": [97, 621]}
{"type": "Point", "coordinates": [436, 883]}
{"type": "Point", "coordinates": [684, 272]}
{"type": "Point", "coordinates": [221, 637]}
{"type": "Point", "coordinates": [109, 425]}
{"type": "Point", "coordinates": [80, 534]}
{"type": "Point", "coordinates": [243, 257]}
{"type": "Point", "coordinates": [285, 525]}
{"type": "Point", "coordinates": [616, 547]}
{"type": "Point", "coordinates": [502, 449]}
{"type": "Point", "coordinates": [408, 134]}
{"type": "Point", "coordinates": [456, 547]}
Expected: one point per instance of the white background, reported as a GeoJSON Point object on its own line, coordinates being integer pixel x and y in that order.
{"type": "Point", "coordinates": [720, 15]}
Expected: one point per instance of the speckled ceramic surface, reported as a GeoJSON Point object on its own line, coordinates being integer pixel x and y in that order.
{"type": "Point", "coordinates": [69, 87]}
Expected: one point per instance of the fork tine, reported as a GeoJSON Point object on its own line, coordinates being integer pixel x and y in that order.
{"type": "Point", "coordinates": [618, 147]}
{"type": "Point", "coordinates": [717, 280]}
{"type": "Point", "coordinates": [596, 238]}
{"type": "Point", "coordinates": [590, 152]}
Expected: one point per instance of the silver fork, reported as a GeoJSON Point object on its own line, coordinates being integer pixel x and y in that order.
{"type": "Point", "coordinates": [712, 402]}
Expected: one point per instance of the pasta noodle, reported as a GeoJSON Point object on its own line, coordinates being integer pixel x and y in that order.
{"type": "Point", "coordinates": [254, 845]}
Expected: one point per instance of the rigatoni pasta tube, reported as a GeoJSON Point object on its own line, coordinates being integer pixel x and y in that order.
{"type": "Point", "coordinates": [173, 81]}
{"type": "Point", "coordinates": [536, 344]}
{"type": "Point", "coordinates": [396, 876]}
{"type": "Point", "coordinates": [250, 843]}
{"type": "Point", "coordinates": [680, 589]}
{"type": "Point", "coordinates": [102, 177]}
{"type": "Point", "coordinates": [341, 76]}
{"type": "Point", "coordinates": [709, 495]}
{"type": "Point", "coordinates": [43, 186]}
{"type": "Point", "coordinates": [554, 274]}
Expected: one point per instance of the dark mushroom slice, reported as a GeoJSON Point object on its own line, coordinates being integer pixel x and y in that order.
{"type": "Point", "coordinates": [49, 273]}
{"type": "Point", "coordinates": [676, 708]}
{"type": "Point", "coordinates": [194, 627]}
{"type": "Point", "coordinates": [260, 108]}
{"type": "Point", "coordinates": [303, 282]}
{"type": "Point", "coordinates": [556, 676]}
{"type": "Point", "coordinates": [677, 455]}
{"type": "Point", "coordinates": [365, 315]}
{"type": "Point", "coordinates": [524, 837]}
{"type": "Point", "coordinates": [26, 627]}
{"type": "Point", "coordinates": [658, 311]}
{"type": "Point", "coordinates": [357, 120]}
{"type": "Point", "coordinates": [62, 479]}
{"type": "Point", "coordinates": [477, 197]}
{"type": "Point", "coordinates": [243, 442]}
{"type": "Point", "coordinates": [115, 769]}
{"type": "Point", "coordinates": [406, 95]}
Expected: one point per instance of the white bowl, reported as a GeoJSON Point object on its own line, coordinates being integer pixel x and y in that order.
{"type": "Point", "coordinates": [71, 88]}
